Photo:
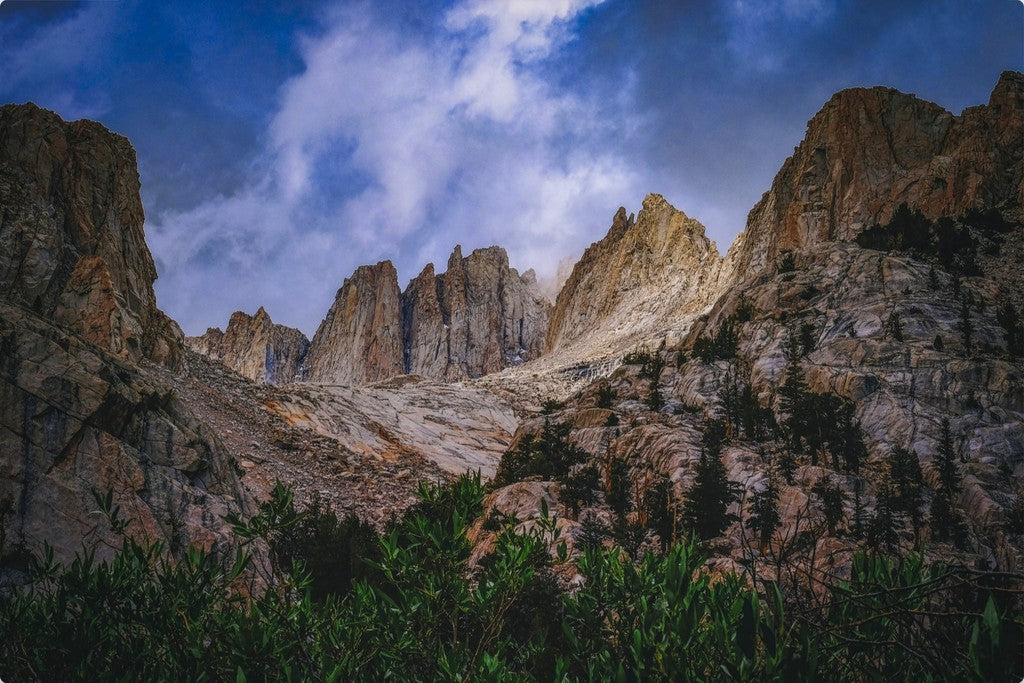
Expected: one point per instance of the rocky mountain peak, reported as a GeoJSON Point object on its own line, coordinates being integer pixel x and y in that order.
{"type": "Point", "coordinates": [645, 271]}
{"type": "Point", "coordinates": [871, 149]}
{"type": "Point", "coordinates": [360, 340]}
{"type": "Point", "coordinates": [255, 347]}
{"type": "Point", "coordinates": [72, 246]}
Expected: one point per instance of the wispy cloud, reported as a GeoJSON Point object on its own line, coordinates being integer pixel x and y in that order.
{"type": "Point", "coordinates": [394, 146]}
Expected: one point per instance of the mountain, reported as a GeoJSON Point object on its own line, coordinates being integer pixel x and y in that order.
{"type": "Point", "coordinates": [871, 149]}
{"type": "Point", "coordinates": [255, 347]}
{"type": "Point", "coordinates": [360, 340]}
{"type": "Point", "coordinates": [647, 274]}
{"type": "Point", "coordinates": [871, 298]}
{"type": "Point", "coordinates": [477, 317]}
{"type": "Point", "coordinates": [78, 321]}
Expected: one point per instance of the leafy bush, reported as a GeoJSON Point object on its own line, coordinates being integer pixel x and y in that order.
{"type": "Point", "coordinates": [424, 616]}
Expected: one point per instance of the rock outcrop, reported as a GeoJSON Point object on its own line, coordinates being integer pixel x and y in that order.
{"type": "Point", "coordinates": [255, 347]}
{"type": "Point", "coordinates": [72, 247]}
{"type": "Point", "coordinates": [476, 318]}
{"type": "Point", "coordinates": [646, 275]}
{"type": "Point", "coordinates": [871, 149]}
{"type": "Point", "coordinates": [360, 340]}
{"type": "Point", "coordinates": [77, 317]}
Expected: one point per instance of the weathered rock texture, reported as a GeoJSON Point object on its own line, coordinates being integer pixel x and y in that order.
{"type": "Point", "coordinates": [72, 247]}
{"type": "Point", "coordinates": [867, 152]}
{"type": "Point", "coordinates": [360, 340]}
{"type": "Point", "coordinates": [871, 149]}
{"type": "Point", "coordinates": [77, 314]}
{"type": "Point", "coordinates": [644, 276]}
{"type": "Point", "coordinates": [73, 420]}
{"type": "Point", "coordinates": [255, 347]}
{"type": "Point", "coordinates": [478, 317]}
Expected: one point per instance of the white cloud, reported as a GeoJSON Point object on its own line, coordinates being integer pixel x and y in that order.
{"type": "Point", "coordinates": [458, 137]}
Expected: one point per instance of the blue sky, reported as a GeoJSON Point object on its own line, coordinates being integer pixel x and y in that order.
{"type": "Point", "coordinates": [282, 144]}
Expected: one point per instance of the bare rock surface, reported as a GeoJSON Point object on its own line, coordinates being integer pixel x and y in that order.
{"type": "Point", "coordinates": [476, 318]}
{"type": "Point", "coordinates": [456, 427]}
{"type": "Point", "coordinates": [74, 419]}
{"type": "Point", "coordinates": [255, 347]}
{"type": "Point", "coordinates": [871, 149]}
{"type": "Point", "coordinates": [72, 247]}
{"type": "Point", "coordinates": [648, 276]}
{"type": "Point", "coordinates": [360, 340]}
{"type": "Point", "coordinates": [269, 446]}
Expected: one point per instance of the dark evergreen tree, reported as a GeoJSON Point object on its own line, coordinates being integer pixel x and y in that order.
{"type": "Point", "coordinates": [946, 522]}
{"type": "Point", "coordinates": [938, 344]}
{"type": "Point", "coordinates": [894, 326]}
{"type": "Point", "coordinates": [705, 512]}
{"type": "Point", "coordinates": [605, 395]}
{"type": "Point", "coordinates": [965, 326]}
{"type": "Point", "coordinates": [593, 533]}
{"type": "Point", "coordinates": [618, 489]}
{"type": "Point", "coordinates": [660, 510]}
{"type": "Point", "coordinates": [883, 529]}
{"type": "Point", "coordinates": [831, 498]}
{"type": "Point", "coordinates": [808, 338]}
{"type": "Point", "coordinates": [906, 480]}
{"type": "Point", "coordinates": [579, 489]}
{"type": "Point", "coordinates": [1013, 333]}
{"type": "Point", "coordinates": [764, 512]}
{"type": "Point", "coordinates": [792, 399]}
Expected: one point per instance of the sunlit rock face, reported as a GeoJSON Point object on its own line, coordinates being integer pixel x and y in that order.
{"type": "Point", "coordinates": [255, 347]}
{"type": "Point", "coordinates": [476, 318]}
{"type": "Point", "coordinates": [644, 277]}
{"type": "Point", "coordinates": [871, 149]}
{"type": "Point", "coordinates": [360, 340]}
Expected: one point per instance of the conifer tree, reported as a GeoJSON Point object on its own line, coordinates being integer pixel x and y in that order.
{"type": "Point", "coordinates": [1013, 333]}
{"type": "Point", "coordinates": [764, 512]}
{"type": "Point", "coordinates": [705, 511]}
{"type": "Point", "coordinates": [894, 326]}
{"type": "Point", "coordinates": [965, 326]}
{"type": "Point", "coordinates": [946, 523]}
{"type": "Point", "coordinates": [660, 510]}
{"type": "Point", "coordinates": [906, 480]}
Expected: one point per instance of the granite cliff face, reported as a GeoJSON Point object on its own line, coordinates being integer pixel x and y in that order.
{"type": "Point", "coordinates": [647, 275]}
{"type": "Point", "coordinates": [72, 247]}
{"type": "Point", "coordinates": [255, 347]}
{"type": "Point", "coordinates": [77, 317]}
{"type": "Point", "coordinates": [476, 318]}
{"type": "Point", "coordinates": [360, 340]}
{"type": "Point", "coordinates": [869, 150]}
{"type": "Point", "coordinates": [903, 340]}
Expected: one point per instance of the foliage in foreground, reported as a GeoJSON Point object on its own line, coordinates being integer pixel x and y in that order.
{"type": "Point", "coordinates": [418, 613]}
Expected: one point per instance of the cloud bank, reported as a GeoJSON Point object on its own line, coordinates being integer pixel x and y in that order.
{"type": "Point", "coordinates": [391, 146]}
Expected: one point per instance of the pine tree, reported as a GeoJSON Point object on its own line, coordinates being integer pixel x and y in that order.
{"type": "Point", "coordinates": [764, 512]}
{"type": "Point", "coordinates": [965, 326]}
{"type": "Point", "coordinates": [894, 326]}
{"type": "Point", "coordinates": [1013, 333]}
{"type": "Point", "coordinates": [883, 529]}
{"type": "Point", "coordinates": [605, 395]}
{"type": "Point", "coordinates": [618, 494]}
{"type": "Point", "coordinates": [660, 510]}
{"type": "Point", "coordinates": [793, 398]}
{"type": "Point", "coordinates": [946, 523]}
{"type": "Point", "coordinates": [593, 533]}
{"type": "Point", "coordinates": [831, 498]}
{"type": "Point", "coordinates": [705, 512]}
{"type": "Point", "coordinates": [906, 479]}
